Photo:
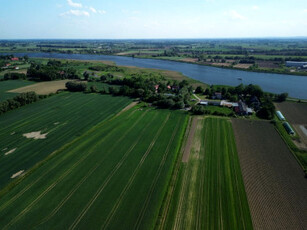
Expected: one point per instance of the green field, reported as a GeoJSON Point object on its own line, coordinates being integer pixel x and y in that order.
{"type": "Point", "coordinates": [11, 84]}
{"type": "Point", "coordinates": [114, 176]}
{"type": "Point", "coordinates": [63, 117]}
{"type": "Point", "coordinates": [210, 191]}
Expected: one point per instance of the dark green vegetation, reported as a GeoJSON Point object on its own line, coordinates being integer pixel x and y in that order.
{"type": "Point", "coordinates": [252, 95]}
{"type": "Point", "coordinates": [115, 175]}
{"type": "Point", "coordinates": [209, 193]}
{"type": "Point", "coordinates": [9, 85]}
{"type": "Point", "coordinates": [18, 101]}
{"type": "Point", "coordinates": [62, 117]}
{"type": "Point", "coordinates": [266, 55]}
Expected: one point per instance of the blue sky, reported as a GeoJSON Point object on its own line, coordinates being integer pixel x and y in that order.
{"type": "Point", "coordinates": [108, 19]}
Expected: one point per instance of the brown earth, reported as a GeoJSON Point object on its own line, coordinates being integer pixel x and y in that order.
{"type": "Point", "coordinates": [42, 88]}
{"type": "Point", "coordinates": [192, 60]}
{"type": "Point", "coordinates": [242, 66]}
{"type": "Point", "coordinates": [221, 64]}
{"type": "Point", "coordinates": [295, 113]}
{"type": "Point", "coordinates": [267, 64]}
{"type": "Point", "coordinates": [189, 140]}
{"type": "Point", "coordinates": [274, 182]}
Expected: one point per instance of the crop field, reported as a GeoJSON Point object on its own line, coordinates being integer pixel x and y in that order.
{"type": "Point", "coordinates": [295, 113]}
{"type": "Point", "coordinates": [210, 191]}
{"type": "Point", "coordinates": [31, 133]}
{"type": "Point", "coordinates": [42, 88]}
{"type": "Point", "coordinates": [114, 176]}
{"type": "Point", "coordinates": [275, 184]}
{"type": "Point", "coordinates": [9, 85]}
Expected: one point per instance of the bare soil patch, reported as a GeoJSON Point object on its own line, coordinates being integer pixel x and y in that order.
{"type": "Point", "coordinates": [189, 142]}
{"type": "Point", "coordinates": [274, 182]}
{"type": "Point", "coordinates": [9, 152]}
{"type": "Point", "coordinates": [42, 87]}
{"type": "Point", "coordinates": [267, 64]}
{"type": "Point", "coordinates": [35, 135]}
{"type": "Point", "coordinates": [221, 64]}
{"type": "Point", "coordinates": [242, 66]}
{"type": "Point", "coordinates": [295, 113]}
{"type": "Point", "coordinates": [19, 173]}
{"type": "Point", "coordinates": [192, 60]}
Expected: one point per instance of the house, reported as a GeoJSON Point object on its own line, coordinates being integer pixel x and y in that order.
{"type": "Point", "coordinates": [255, 103]}
{"type": "Point", "coordinates": [227, 104]}
{"type": "Point", "coordinates": [16, 67]}
{"type": "Point", "coordinates": [169, 87]}
{"type": "Point", "coordinates": [7, 65]}
{"type": "Point", "coordinates": [217, 95]}
{"type": "Point", "coordinates": [242, 109]}
{"type": "Point", "coordinates": [15, 59]}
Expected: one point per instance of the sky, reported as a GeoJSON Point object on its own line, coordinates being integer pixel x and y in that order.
{"type": "Point", "coordinates": [137, 19]}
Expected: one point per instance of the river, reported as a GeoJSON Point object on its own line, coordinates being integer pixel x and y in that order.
{"type": "Point", "coordinates": [295, 86]}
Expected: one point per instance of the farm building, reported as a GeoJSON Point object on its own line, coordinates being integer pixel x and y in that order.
{"type": "Point", "coordinates": [203, 103]}
{"type": "Point", "coordinates": [280, 116]}
{"type": "Point", "coordinates": [288, 128]}
{"type": "Point", "coordinates": [15, 59]}
{"type": "Point", "coordinates": [217, 95]}
{"type": "Point", "coordinates": [295, 64]}
{"type": "Point", "coordinates": [242, 109]}
{"type": "Point", "coordinates": [227, 104]}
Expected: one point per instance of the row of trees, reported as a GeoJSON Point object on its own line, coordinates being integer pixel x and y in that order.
{"type": "Point", "coordinates": [14, 76]}
{"type": "Point", "coordinates": [54, 70]}
{"type": "Point", "coordinates": [18, 101]}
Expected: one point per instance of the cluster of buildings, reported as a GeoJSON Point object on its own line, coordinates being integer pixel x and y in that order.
{"type": "Point", "coordinates": [239, 107]}
{"type": "Point", "coordinates": [296, 64]}
{"type": "Point", "coordinates": [7, 65]}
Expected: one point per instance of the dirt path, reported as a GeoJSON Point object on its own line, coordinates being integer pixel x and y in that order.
{"type": "Point", "coordinates": [275, 185]}
{"type": "Point", "coordinates": [189, 142]}
{"type": "Point", "coordinates": [127, 108]}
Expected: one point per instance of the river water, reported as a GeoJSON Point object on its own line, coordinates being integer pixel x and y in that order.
{"type": "Point", "coordinates": [295, 86]}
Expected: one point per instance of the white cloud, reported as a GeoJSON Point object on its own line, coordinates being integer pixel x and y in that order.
{"type": "Point", "coordinates": [93, 10]}
{"type": "Point", "coordinates": [235, 15]}
{"type": "Point", "coordinates": [76, 13]}
{"type": "Point", "coordinates": [255, 7]}
{"type": "Point", "coordinates": [305, 10]}
{"type": "Point", "coordinates": [74, 4]}
{"type": "Point", "coordinates": [102, 11]}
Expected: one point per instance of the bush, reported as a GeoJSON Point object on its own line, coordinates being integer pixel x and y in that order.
{"type": "Point", "coordinates": [74, 86]}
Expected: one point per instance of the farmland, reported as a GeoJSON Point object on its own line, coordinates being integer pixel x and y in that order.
{"type": "Point", "coordinates": [209, 193]}
{"type": "Point", "coordinates": [42, 88]}
{"type": "Point", "coordinates": [120, 165]}
{"type": "Point", "coordinates": [53, 121]}
{"type": "Point", "coordinates": [295, 114]}
{"type": "Point", "coordinates": [5, 86]}
{"type": "Point", "coordinates": [275, 185]}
